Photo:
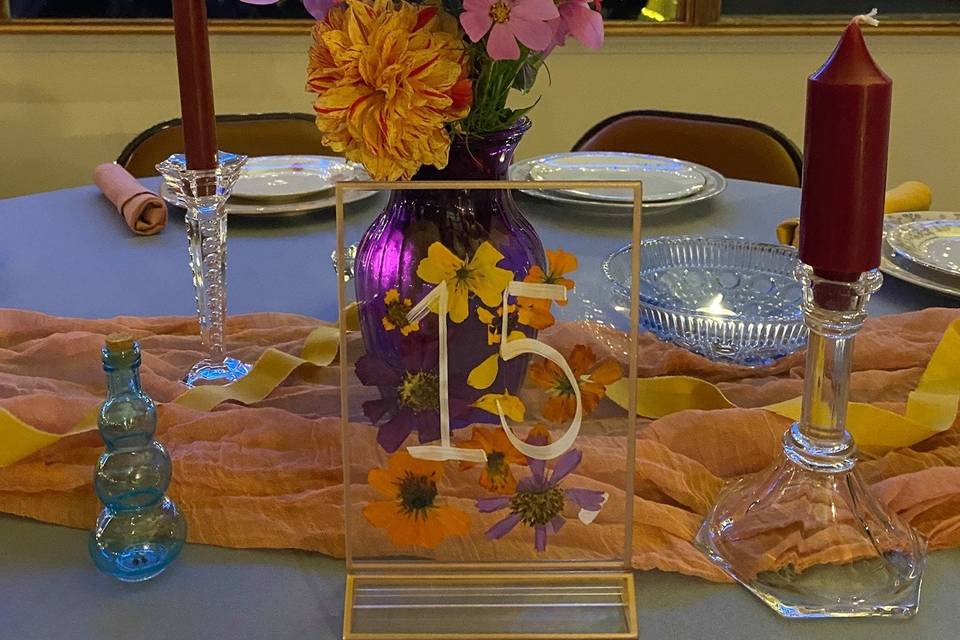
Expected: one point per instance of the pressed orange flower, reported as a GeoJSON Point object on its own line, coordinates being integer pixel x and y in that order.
{"type": "Point", "coordinates": [410, 514]}
{"type": "Point", "coordinates": [535, 312]}
{"type": "Point", "coordinates": [395, 316]}
{"type": "Point", "coordinates": [479, 275]}
{"type": "Point", "coordinates": [496, 475]}
{"type": "Point", "coordinates": [389, 78]}
{"type": "Point", "coordinates": [592, 378]}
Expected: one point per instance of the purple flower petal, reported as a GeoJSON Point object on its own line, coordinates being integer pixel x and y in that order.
{"type": "Point", "coordinates": [537, 469]}
{"type": "Point", "coordinates": [540, 538]}
{"type": "Point", "coordinates": [531, 484]}
{"type": "Point", "coordinates": [567, 463]}
{"type": "Point", "coordinates": [489, 504]}
{"type": "Point", "coordinates": [319, 8]}
{"type": "Point", "coordinates": [375, 372]}
{"type": "Point", "coordinates": [427, 425]}
{"type": "Point", "coordinates": [458, 407]}
{"type": "Point", "coordinates": [420, 354]}
{"type": "Point", "coordinates": [556, 524]}
{"type": "Point", "coordinates": [503, 527]}
{"type": "Point", "coordinates": [586, 499]}
{"type": "Point", "coordinates": [392, 434]}
{"type": "Point", "coordinates": [376, 409]}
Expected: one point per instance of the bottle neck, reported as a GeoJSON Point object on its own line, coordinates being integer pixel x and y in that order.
{"type": "Point", "coordinates": [834, 312]}
{"type": "Point", "coordinates": [120, 381]}
{"type": "Point", "coordinates": [123, 370]}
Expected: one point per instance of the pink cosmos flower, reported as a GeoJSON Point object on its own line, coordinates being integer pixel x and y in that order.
{"type": "Point", "coordinates": [509, 21]}
{"type": "Point", "coordinates": [580, 21]}
{"type": "Point", "coordinates": [316, 8]}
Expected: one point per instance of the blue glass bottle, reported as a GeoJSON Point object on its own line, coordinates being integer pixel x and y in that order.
{"type": "Point", "coordinates": [140, 531]}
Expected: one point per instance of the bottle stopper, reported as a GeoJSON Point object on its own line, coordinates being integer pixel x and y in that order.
{"type": "Point", "coordinates": [119, 342]}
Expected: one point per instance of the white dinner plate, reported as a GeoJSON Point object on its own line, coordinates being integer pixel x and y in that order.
{"type": "Point", "coordinates": [935, 244]}
{"type": "Point", "coordinates": [663, 178]}
{"type": "Point", "coordinates": [714, 184]}
{"type": "Point", "coordinates": [290, 177]}
{"type": "Point", "coordinates": [279, 209]}
{"type": "Point", "coordinates": [895, 264]}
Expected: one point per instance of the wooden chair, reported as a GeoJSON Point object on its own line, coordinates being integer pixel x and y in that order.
{"type": "Point", "coordinates": [736, 148]}
{"type": "Point", "coordinates": [261, 134]}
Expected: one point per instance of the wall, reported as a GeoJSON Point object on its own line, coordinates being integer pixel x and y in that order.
{"type": "Point", "coordinates": [69, 102]}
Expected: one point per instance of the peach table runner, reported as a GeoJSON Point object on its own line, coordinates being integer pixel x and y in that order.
{"type": "Point", "coordinates": [269, 475]}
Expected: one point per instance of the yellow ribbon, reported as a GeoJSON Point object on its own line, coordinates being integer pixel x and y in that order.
{"type": "Point", "coordinates": [19, 439]}
{"type": "Point", "coordinates": [931, 407]}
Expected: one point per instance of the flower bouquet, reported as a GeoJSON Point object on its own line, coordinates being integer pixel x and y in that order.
{"type": "Point", "coordinates": [397, 81]}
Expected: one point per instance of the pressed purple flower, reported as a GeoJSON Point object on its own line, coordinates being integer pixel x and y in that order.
{"type": "Point", "coordinates": [539, 503]}
{"type": "Point", "coordinates": [410, 394]}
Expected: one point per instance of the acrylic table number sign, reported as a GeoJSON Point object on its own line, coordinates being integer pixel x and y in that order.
{"type": "Point", "coordinates": [488, 481]}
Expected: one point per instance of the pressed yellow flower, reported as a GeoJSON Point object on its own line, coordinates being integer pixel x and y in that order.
{"type": "Point", "coordinates": [535, 312]}
{"type": "Point", "coordinates": [389, 78]}
{"type": "Point", "coordinates": [410, 513]}
{"type": "Point", "coordinates": [493, 322]}
{"type": "Point", "coordinates": [396, 313]}
{"type": "Point", "coordinates": [512, 406]}
{"type": "Point", "coordinates": [480, 275]}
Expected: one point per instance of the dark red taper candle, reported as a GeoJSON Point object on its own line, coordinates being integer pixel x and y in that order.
{"type": "Point", "coordinates": [845, 161]}
{"type": "Point", "coordinates": [196, 83]}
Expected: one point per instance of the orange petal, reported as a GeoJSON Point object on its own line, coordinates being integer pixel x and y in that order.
{"type": "Point", "coordinates": [581, 359]}
{"type": "Point", "coordinates": [607, 372]}
{"type": "Point", "coordinates": [544, 374]}
{"type": "Point", "coordinates": [383, 481]}
{"type": "Point", "coordinates": [561, 262]}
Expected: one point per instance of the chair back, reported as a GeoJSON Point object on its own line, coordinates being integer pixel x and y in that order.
{"type": "Point", "coordinates": [261, 134]}
{"type": "Point", "coordinates": [737, 148]}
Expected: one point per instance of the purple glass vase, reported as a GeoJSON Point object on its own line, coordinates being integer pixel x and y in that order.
{"type": "Point", "coordinates": [393, 246]}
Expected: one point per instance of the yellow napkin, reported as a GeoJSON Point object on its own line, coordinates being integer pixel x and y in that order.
{"type": "Point", "coordinates": [931, 407]}
{"type": "Point", "coordinates": [909, 196]}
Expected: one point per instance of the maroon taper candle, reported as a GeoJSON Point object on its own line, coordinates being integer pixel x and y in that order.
{"type": "Point", "coordinates": [196, 83]}
{"type": "Point", "coordinates": [845, 161]}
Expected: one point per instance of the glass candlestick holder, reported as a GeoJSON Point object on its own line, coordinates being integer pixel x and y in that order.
{"type": "Point", "coordinates": [806, 535]}
{"type": "Point", "coordinates": [203, 194]}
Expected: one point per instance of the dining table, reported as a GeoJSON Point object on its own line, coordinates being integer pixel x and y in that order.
{"type": "Point", "coordinates": [68, 253]}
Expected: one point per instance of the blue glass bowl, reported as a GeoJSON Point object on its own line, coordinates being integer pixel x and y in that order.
{"type": "Point", "coordinates": [728, 299]}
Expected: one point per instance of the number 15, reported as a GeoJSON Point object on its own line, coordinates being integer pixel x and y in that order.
{"type": "Point", "coordinates": [508, 350]}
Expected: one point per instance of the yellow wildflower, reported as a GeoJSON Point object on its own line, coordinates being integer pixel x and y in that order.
{"type": "Point", "coordinates": [480, 275]}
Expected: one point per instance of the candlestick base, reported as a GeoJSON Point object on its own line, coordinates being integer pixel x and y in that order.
{"type": "Point", "coordinates": [806, 536]}
{"type": "Point", "coordinates": [815, 544]}
{"type": "Point", "coordinates": [203, 194]}
{"type": "Point", "coordinates": [213, 372]}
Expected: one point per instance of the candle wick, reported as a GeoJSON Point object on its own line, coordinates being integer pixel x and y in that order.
{"type": "Point", "coordinates": [868, 18]}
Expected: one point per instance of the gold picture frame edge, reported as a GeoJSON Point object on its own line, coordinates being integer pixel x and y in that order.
{"type": "Point", "coordinates": [624, 575]}
{"type": "Point", "coordinates": [568, 569]}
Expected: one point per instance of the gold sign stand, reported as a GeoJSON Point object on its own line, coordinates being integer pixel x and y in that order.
{"type": "Point", "coordinates": [397, 595]}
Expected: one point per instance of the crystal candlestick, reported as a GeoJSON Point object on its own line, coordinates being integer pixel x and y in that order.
{"type": "Point", "coordinates": [203, 194]}
{"type": "Point", "coordinates": [806, 535]}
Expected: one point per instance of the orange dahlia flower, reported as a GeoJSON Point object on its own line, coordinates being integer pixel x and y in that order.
{"type": "Point", "coordinates": [389, 79]}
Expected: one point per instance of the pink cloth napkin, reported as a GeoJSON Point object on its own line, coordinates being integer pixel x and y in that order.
{"type": "Point", "coordinates": [144, 211]}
